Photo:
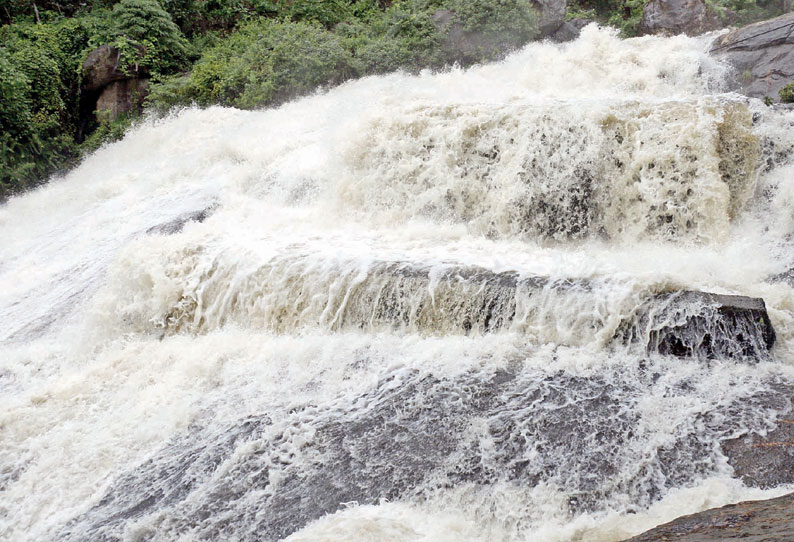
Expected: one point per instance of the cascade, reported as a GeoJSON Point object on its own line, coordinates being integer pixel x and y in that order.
{"type": "Point", "coordinates": [546, 298]}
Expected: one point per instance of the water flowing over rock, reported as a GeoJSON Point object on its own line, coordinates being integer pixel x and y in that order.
{"type": "Point", "coordinates": [529, 300]}
{"type": "Point", "coordinates": [413, 431]}
{"type": "Point", "coordinates": [762, 55]}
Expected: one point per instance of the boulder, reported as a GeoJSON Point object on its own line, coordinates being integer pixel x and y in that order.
{"type": "Point", "coordinates": [751, 521]}
{"type": "Point", "coordinates": [468, 46]}
{"type": "Point", "coordinates": [762, 55]}
{"type": "Point", "coordinates": [672, 17]}
{"type": "Point", "coordinates": [704, 325]}
{"type": "Point", "coordinates": [551, 15]}
{"type": "Point", "coordinates": [569, 30]}
{"type": "Point", "coordinates": [120, 97]}
{"type": "Point", "coordinates": [101, 67]}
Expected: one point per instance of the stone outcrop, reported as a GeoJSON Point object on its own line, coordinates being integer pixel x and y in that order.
{"type": "Point", "coordinates": [704, 325]}
{"type": "Point", "coordinates": [414, 432]}
{"type": "Point", "coordinates": [101, 67]}
{"type": "Point", "coordinates": [672, 17]}
{"type": "Point", "coordinates": [765, 459]}
{"type": "Point", "coordinates": [762, 55]}
{"type": "Point", "coordinates": [176, 225]}
{"type": "Point", "coordinates": [468, 46]}
{"type": "Point", "coordinates": [751, 521]}
{"type": "Point", "coordinates": [109, 89]}
{"type": "Point", "coordinates": [121, 97]}
{"type": "Point", "coordinates": [551, 15]}
{"type": "Point", "coordinates": [570, 30]}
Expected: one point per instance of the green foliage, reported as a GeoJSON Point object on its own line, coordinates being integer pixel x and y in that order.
{"type": "Point", "coordinates": [264, 62]}
{"type": "Point", "coordinates": [39, 93]}
{"type": "Point", "coordinates": [107, 133]}
{"type": "Point", "coordinates": [402, 37]}
{"type": "Point", "coordinates": [513, 20]}
{"type": "Point", "coordinates": [147, 38]}
{"type": "Point", "coordinates": [628, 16]}
{"type": "Point", "coordinates": [787, 94]}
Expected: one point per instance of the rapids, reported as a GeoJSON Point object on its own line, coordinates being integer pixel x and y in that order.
{"type": "Point", "coordinates": [388, 311]}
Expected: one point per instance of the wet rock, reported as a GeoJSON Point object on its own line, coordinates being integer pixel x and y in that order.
{"type": "Point", "coordinates": [467, 46]}
{"type": "Point", "coordinates": [267, 476]}
{"type": "Point", "coordinates": [551, 15]}
{"type": "Point", "coordinates": [750, 521]}
{"type": "Point", "coordinates": [705, 325]}
{"type": "Point", "coordinates": [671, 17]}
{"type": "Point", "coordinates": [121, 97]}
{"type": "Point", "coordinates": [175, 226]}
{"type": "Point", "coordinates": [569, 30]}
{"type": "Point", "coordinates": [107, 89]}
{"type": "Point", "coordinates": [765, 458]}
{"type": "Point", "coordinates": [762, 55]}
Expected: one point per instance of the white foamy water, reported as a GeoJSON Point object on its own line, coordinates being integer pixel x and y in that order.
{"type": "Point", "coordinates": [398, 319]}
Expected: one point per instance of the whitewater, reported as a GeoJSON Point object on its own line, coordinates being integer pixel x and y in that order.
{"type": "Point", "coordinates": [391, 310]}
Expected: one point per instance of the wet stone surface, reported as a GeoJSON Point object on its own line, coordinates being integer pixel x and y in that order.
{"type": "Point", "coordinates": [752, 521]}
{"type": "Point", "coordinates": [267, 476]}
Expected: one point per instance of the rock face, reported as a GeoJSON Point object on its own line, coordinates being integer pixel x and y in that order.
{"type": "Point", "coordinates": [120, 97]}
{"type": "Point", "coordinates": [569, 30]}
{"type": "Point", "coordinates": [705, 325]}
{"type": "Point", "coordinates": [551, 15]}
{"type": "Point", "coordinates": [762, 55]}
{"type": "Point", "coordinates": [671, 17]}
{"type": "Point", "coordinates": [100, 68]}
{"type": "Point", "coordinates": [111, 90]}
{"type": "Point", "coordinates": [765, 460]}
{"type": "Point", "coordinates": [413, 432]}
{"type": "Point", "coordinates": [751, 521]}
{"type": "Point", "coordinates": [468, 46]}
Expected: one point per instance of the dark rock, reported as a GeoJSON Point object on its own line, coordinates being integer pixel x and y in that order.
{"type": "Point", "coordinates": [551, 15]}
{"type": "Point", "coordinates": [107, 89]}
{"type": "Point", "coordinates": [671, 17]}
{"type": "Point", "coordinates": [415, 433]}
{"type": "Point", "coordinates": [786, 276]}
{"type": "Point", "coordinates": [765, 458]}
{"type": "Point", "coordinates": [751, 521]}
{"type": "Point", "coordinates": [175, 226]}
{"type": "Point", "coordinates": [121, 97]}
{"type": "Point", "coordinates": [705, 325]}
{"type": "Point", "coordinates": [468, 46]}
{"type": "Point", "coordinates": [101, 67]}
{"type": "Point", "coordinates": [569, 30]}
{"type": "Point", "coordinates": [762, 55]}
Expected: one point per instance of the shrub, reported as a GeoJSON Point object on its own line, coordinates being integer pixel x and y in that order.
{"type": "Point", "coordinates": [148, 38]}
{"type": "Point", "coordinates": [512, 21]}
{"type": "Point", "coordinates": [787, 94]}
{"type": "Point", "coordinates": [39, 98]}
{"type": "Point", "coordinates": [264, 62]}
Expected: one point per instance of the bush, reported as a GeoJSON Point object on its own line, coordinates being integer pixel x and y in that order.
{"type": "Point", "coordinates": [39, 98]}
{"type": "Point", "coordinates": [787, 94]}
{"type": "Point", "coordinates": [147, 38]}
{"type": "Point", "coordinates": [510, 21]}
{"type": "Point", "coordinates": [264, 62]}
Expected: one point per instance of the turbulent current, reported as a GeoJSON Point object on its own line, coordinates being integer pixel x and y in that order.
{"type": "Point", "coordinates": [408, 308]}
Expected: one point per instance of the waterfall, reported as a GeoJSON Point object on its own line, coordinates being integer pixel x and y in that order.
{"type": "Point", "coordinates": [529, 300]}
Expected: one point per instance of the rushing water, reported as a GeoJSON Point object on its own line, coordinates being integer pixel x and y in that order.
{"type": "Point", "coordinates": [398, 317]}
